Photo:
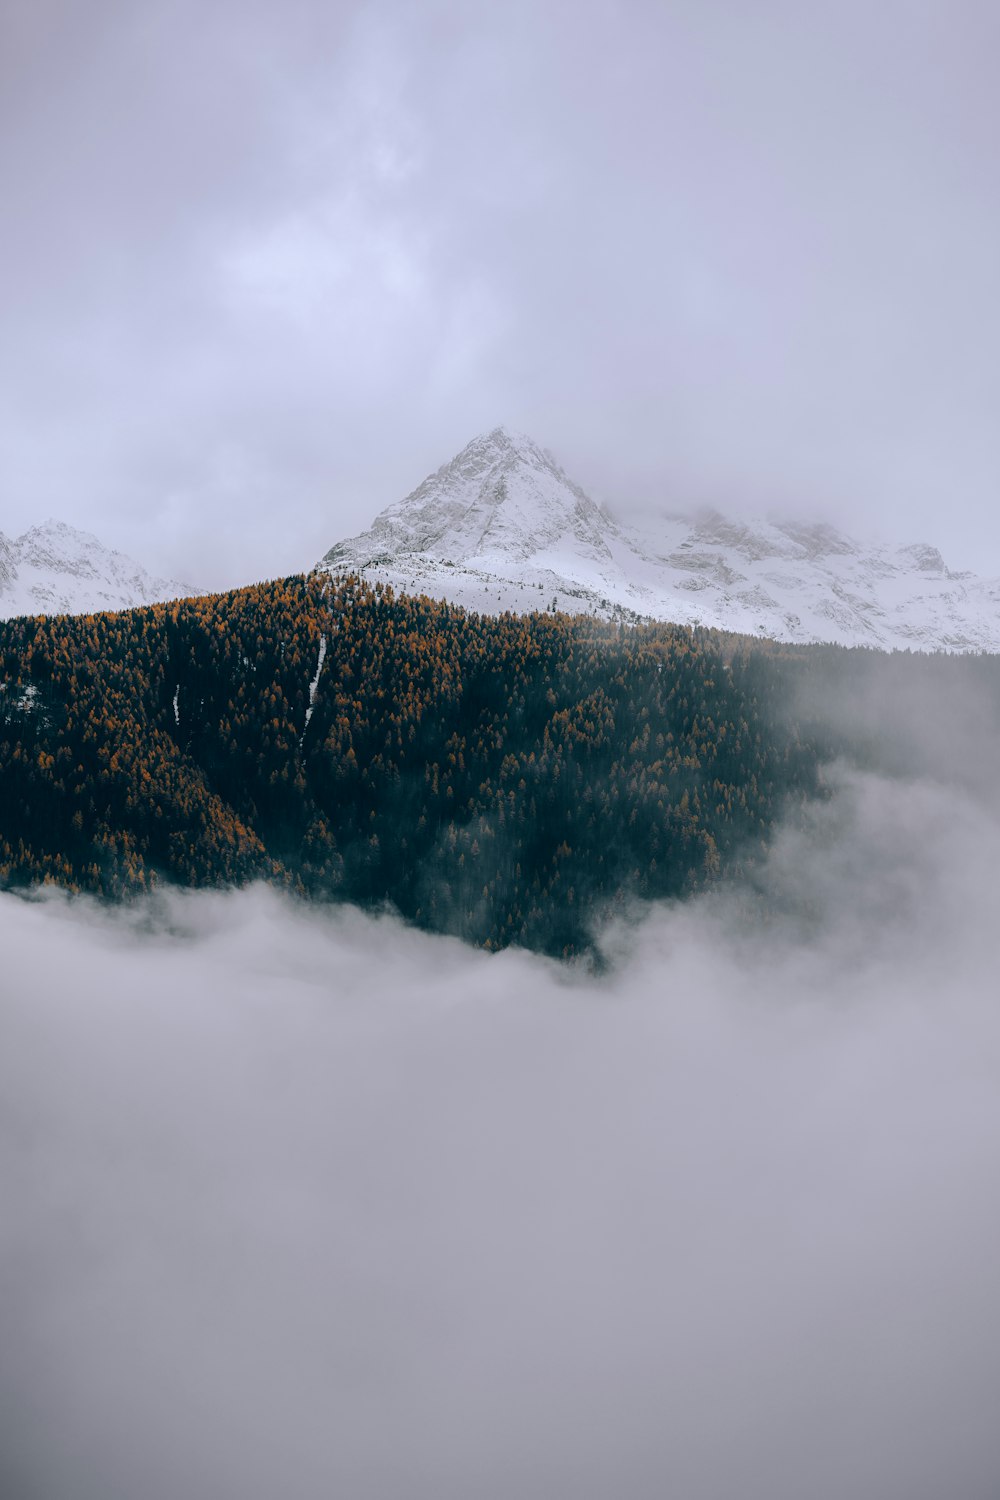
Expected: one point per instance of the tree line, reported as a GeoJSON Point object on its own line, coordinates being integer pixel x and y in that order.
{"type": "Point", "coordinates": [508, 779]}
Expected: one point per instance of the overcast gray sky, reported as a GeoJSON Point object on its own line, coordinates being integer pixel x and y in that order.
{"type": "Point", "coordinates": [266, 266]}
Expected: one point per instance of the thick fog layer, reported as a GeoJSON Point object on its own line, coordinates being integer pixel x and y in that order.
{"type": "Point", "coordinates": [307, 1204]}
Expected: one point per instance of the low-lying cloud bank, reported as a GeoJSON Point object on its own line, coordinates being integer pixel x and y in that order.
{"type": "Point", "coordinates": [308, 1204]}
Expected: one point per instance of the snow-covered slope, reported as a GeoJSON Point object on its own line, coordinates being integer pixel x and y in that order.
{"type": "Point", "coordinates": [55, 569]}
{"type": "Point", "coordinates": [502, 527]}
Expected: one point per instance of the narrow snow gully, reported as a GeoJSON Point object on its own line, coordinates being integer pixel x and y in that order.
{"type": "Point", "coordinates": [313, 686]}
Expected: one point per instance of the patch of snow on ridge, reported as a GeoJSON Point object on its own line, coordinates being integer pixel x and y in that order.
{"type": "Point", "coordinates": [502, 527]}
{"type": "Point", "coordinates": [56, 569]}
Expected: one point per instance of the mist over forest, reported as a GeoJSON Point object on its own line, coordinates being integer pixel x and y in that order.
{"type": "Point", "coordinates": [306, 1201]}
{"type": "Point", "coordinates": [499, 1056]}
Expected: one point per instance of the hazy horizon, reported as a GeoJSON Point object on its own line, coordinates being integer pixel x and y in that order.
{"type": "Point", "coordinates": [224, 574]}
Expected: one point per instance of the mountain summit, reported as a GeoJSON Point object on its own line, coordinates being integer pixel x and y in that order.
{"type": "Point", "coordinates": [502, 527]}
{"type": "Point", "coordinates": [502, 499]}
{"type": "Point", "coordinates": [54, 569]}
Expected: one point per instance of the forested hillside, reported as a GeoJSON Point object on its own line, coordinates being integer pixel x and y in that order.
{"type": "Point", "coordinates": [505, 779]}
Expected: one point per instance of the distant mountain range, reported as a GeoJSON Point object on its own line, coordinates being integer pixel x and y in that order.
{"type": "Point", "coordinates": [502, 527]}
{"type": "Point", "coordinates": [54, 569]}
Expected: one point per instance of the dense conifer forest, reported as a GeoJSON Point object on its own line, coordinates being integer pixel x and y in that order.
{"type": "Point", "coordinates": [509, 780]}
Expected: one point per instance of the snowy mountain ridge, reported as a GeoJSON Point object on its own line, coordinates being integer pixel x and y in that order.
{"type": "Point", "coordinates": [56, 569]}
{"type": "Point", "coordinates": [502, 527]}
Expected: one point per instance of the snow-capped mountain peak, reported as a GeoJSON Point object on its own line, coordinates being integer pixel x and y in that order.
{"type": "Point", "coordinates": [501, 526]}
{"type": "Point", "coordinates": [503, 498]}
{"type": "Point", "coordinates": [56, 569]}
